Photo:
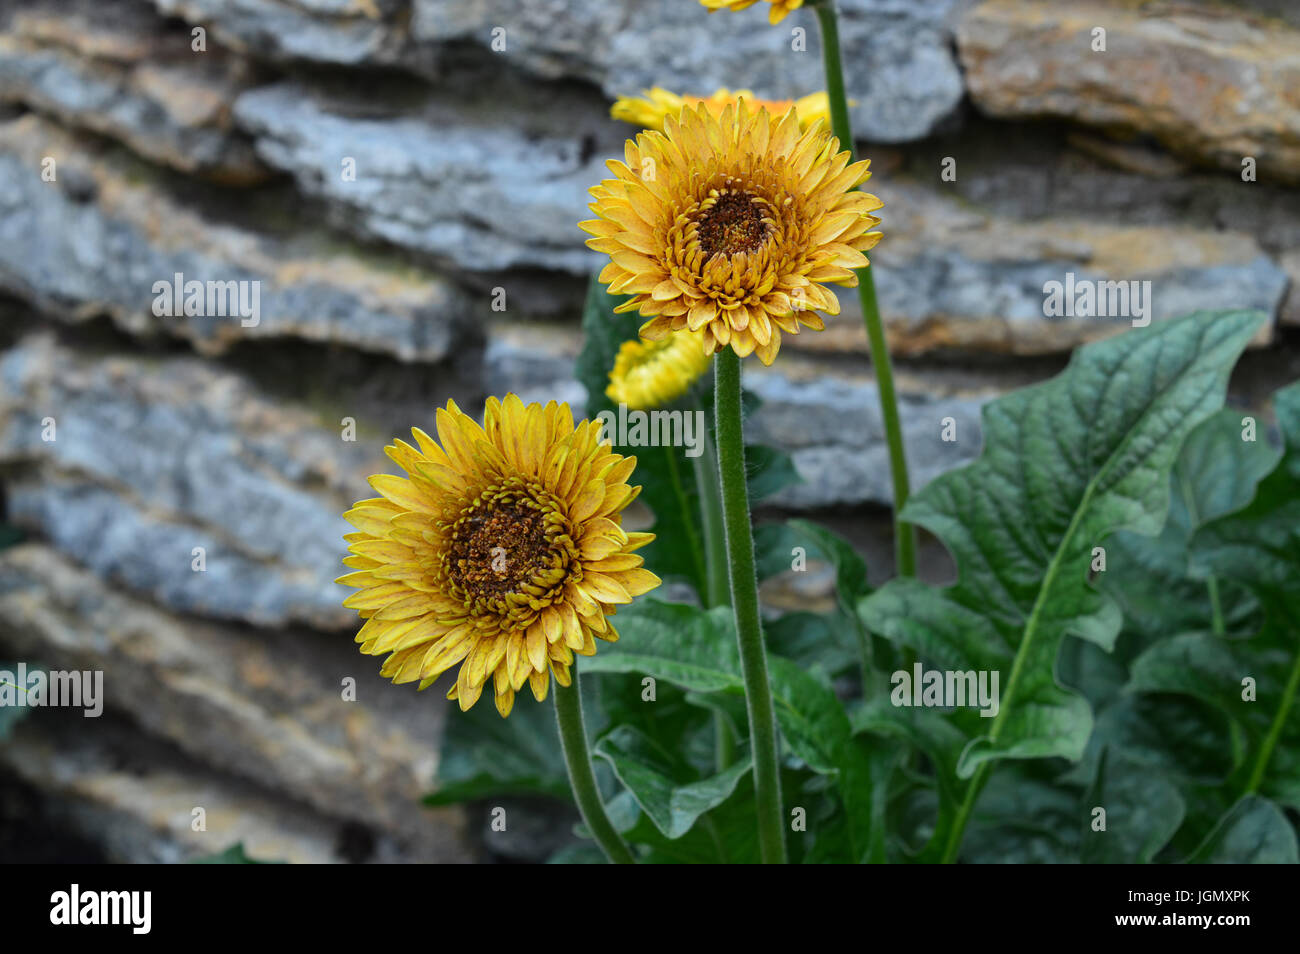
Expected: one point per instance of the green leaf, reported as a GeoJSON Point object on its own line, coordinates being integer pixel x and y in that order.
{"type": "Point", "coordinates": [769, 471]}
{"type": "Point", "coordinates": [13, 709]}
{"type": "Point", "coordinates": [603, 333]}
{"type": "Point", "coordinates": [234, 855]}
{"type": "Point", "coordinates": [666, 474]}
{"type": "Point", "coordinates": [850, 568]}
{"type": "Point", "coordinates": [692, 648]}
{"type": "Point", "coordinates": [1169, 736]}
{"type": "Point", "coordinates": [1259, 546]}
{"type": "Point", "coordinates": [1254, 831]}
{"type": "Point", "coordinates": [1216, 474]}
{"type": "Point", "coordinates": [578, 853]}
{"type": "Point", "coordinates": [1064, 465]}
{"type": "Point", "coordinates": [674, 719]}
{"type": "Point", "coordinates": [811, 641]}
{"type": "Point", "coordinates": [1255, 682]}
{"type": "Point", "coordinates": [775, 545]}
{"type": "Point", "coordinates": [654, 777]}
{"type": "Point", "coordinates": [817, 729]}
{"type": "Point", "coordinates": [1024, 816]}
{"type": "Point", "coordinates": [923, 729]}
{"type": "Point", "coordinates": [484, 755]}
{"type": "Point", "coordinates": [1143, 811]}
{"type": "Point", "coordinates": [9, 535]}
{"type": "Point", "coordinates": [723, 836]}
{"type": "Point", "coordinates": [812, 719]}
{"type": "Point", "coordinates": [1191, 722]}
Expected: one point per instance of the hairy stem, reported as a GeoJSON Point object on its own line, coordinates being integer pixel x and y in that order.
{"type": "Point", "coordinates": [904, 533]}
{"type": "Point", "coordinates": [573, 738]}
{"type": "Point", "coordinates": [744, 601]}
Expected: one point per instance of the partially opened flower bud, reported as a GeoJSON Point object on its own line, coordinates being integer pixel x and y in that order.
{"type": "Point", "coordinates": [655, 105]}
{"type": "Point", "coordinates": [779, 11]}
{"type": "Point", "coordinates": [650, 374]}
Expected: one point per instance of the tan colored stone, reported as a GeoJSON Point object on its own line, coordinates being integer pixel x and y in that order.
{"type": "Point", "coordinates": [143, 814]}
{"type": "Point", "coordinates": [950, 276]}
{"type": "Point", "coordinates": [124, 230]}
{"type": "Point", "coordinates": [1211, 82]}
{"type": "Point", "coordinates": [132, 76]}
{"type": "Point", "coordinates": [1290, 314]}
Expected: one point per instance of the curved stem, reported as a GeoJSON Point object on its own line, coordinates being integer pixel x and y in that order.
{"type": "Point", "coordinates": [573, 738]}
{"type": "Point", "coordinates": [904, 533]}
{"type": "Point", "coordinates": [744, 601]}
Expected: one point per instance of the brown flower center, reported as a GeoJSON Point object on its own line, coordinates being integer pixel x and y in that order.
{"type": "Point", "coordinates": [733, 223]}
{"type": "Point", "coordinates": [508, 550]}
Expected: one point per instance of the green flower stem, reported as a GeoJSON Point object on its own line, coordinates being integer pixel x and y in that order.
{"type": "Point", "coordinates": [904, 533]}
{"type": "Point", "coordinates": [744, 601]}
{"type": "Point", "coordinates": [1289, 695]}
{"type": "Point", "coordinates": [957, 830]}
{"type": "Point", "coordinates": [717, 591]}
{"type": "Point", "coordinates": [573, 738]}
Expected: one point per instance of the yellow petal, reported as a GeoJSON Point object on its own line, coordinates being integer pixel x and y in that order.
{"type": "Point", "coordinates": [604, 588]}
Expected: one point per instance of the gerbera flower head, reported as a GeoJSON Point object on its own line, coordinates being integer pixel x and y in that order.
{"type": "Point", "coordinates": [650, 374]}
{"type": "Point", "coordinates": [650, 110]}
{"type": "Point", "coordinates": [502, 551]}
{"type": "Point", "coordinates": [733, 225]}
{"type": "Point", "coordinates": [779, 11]}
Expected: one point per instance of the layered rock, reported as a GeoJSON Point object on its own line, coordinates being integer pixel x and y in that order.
{"type": "Point", "coordinates": [151, 459]}
{"type": "Point", "coordinates": [141, 810]}
{"type": "Point", "coordinates": [338, 32]}
{"type": "Point", "coordinates": [273, 711]}
{"type": "Point", "coordinates": [1214, 83]}
{"type": "Point", "coordinates": [489, 179]}
{"type": "Point", "coordinates": [828, 420]}
{"type": "Point", "coordinates": [158, 467]}
{"type": "Point", "coordinates": [832, 428]}
{"type": "Point", "coordinates": [904, 80]}
{"type": "Point", "coordinates": [124, 72]}
{"type": "Point", "coordinates": [402, 179]}
{"type": "Point", "coordinates": [950, 275]}
{"type": "Point", "coordinates": [953, 277]}
{"type": "Point", "coordinates": [136, 799]}
{"type": "Point", "coordinates": [100, 237]}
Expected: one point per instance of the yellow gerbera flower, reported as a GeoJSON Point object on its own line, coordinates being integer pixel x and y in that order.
{"type": "Point", "coordinates": [650, 374]}
{"type": "Point", "coordinates": [780, 8]}
{"type": "Point", "coordinates": [502, 551]}
{"type": "Point", "coordinates": [731, 225]}
{"type": "Point", "coordinates": [651, 109]}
